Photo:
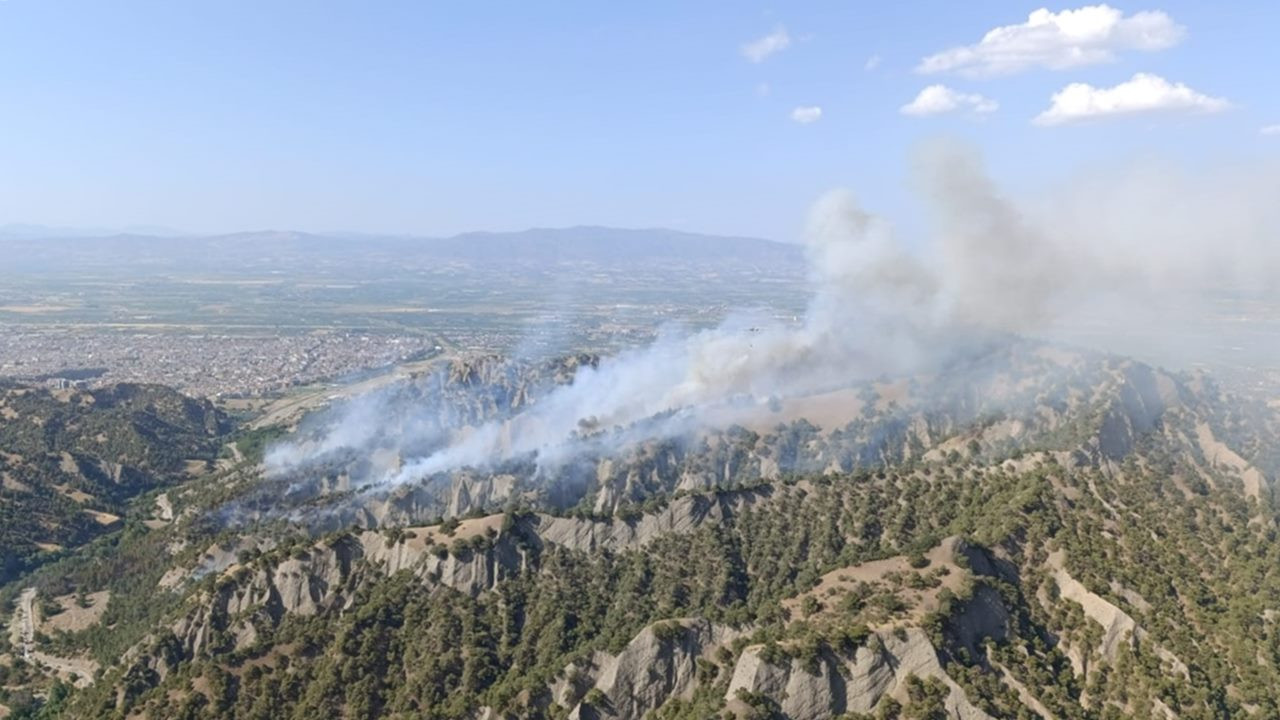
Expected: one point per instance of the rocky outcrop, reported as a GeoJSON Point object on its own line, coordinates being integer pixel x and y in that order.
{"type": "Point", "coordinates": [1219, 455]}
{"type": "Point", "coordinates": [982, 616]}
{"type": "Point", "coordinates": [1118, 627]}
{"type": "Point", "coordinates": [681, 515]}
{"type": "Point", "coordinates": [656, 666]}
{"type": "Point", "coordinates": [799, 692]}
{"type": "Point", "coordinates": [878, 669]}
{"type": "Point", "coordinates": [1138, 398]}
{"type": "Point", "coordinates": [214, 561]}
{"type": "Point", "coordinates": [999, 402]}
{"type": "Point", "coordinates": [325, 576]}
{"type": "Point", "coordinates": [461, 494]}
{"type": "Point", "coordinates": [1016, 398]}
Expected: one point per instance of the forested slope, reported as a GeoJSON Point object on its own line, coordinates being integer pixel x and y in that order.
{"type": "Point", "coordinates": [70, 460]}
{"type": "Point", "coordinates": [1104, 549]}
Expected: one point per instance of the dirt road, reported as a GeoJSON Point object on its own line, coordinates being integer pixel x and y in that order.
{"type": "Point", "coordinates": [22, 634]}
{"type": "Point", "coordinates": [22, 627]}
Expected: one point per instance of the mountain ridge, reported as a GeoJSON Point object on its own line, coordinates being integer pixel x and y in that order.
{"type": "Point", "coordinates": [271, 249]}
{"type": "Point", "coordinates": [1080, 558]}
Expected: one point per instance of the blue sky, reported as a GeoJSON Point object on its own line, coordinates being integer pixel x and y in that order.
{"type": "Point", "coordinates": [435, 118]}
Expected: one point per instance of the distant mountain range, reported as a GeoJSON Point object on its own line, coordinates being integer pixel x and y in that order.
{"type": "Point", "coordinates": [28, 251]}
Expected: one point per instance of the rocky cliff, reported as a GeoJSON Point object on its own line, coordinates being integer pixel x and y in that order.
{"type": "Point", "coordinates": [1013, 401]}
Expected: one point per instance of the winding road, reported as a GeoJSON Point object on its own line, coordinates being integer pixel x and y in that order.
{"type": "Point", "coordinates": [22, 634]}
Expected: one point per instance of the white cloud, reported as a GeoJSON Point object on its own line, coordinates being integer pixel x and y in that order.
{"type": "Point", "coordinates": [1071, 38]}
{"type": "Point", "coordinates": [775, 42]}
{"type": "Point", "coordinates": [938, 99]}
{"type": "Point", "coordinates": [1270, 130]}
{"type": "Point", "coordinates": [806, 114]}
{"type": "Point", "coordinates": [872, 63]}
{"type": "Point", "coordinates": [1143, 93]}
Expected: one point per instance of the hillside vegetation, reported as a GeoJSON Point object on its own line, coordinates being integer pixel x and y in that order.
{"type": "Point", "coordinates": [1056, 536]}
{"type": "Point", "coordinates": [70, 461]}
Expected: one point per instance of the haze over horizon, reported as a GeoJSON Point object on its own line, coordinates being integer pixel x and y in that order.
{"type": "Point", "coordinates": [31, 231]}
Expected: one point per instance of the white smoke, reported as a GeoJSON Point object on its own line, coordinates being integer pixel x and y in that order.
{"type": "Point", "coordinates": [865, 287]}
{"type": "Point", "coordinates": [994, 266]}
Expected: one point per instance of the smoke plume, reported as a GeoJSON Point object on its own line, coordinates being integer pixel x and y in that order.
{"type": "Point", "coordinates": [1116, 243]}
